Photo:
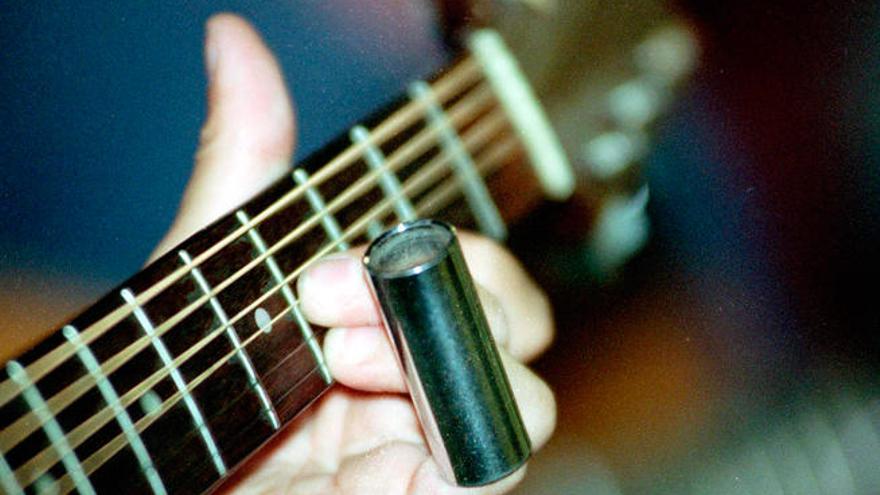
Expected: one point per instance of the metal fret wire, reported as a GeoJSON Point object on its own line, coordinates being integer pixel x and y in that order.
{"type": "Point", "coordinates": [108, 392]}
{"type": "Point", "coordinates": [417, 182]}
{"type": "Point", "coordinates": [388, 181]}
{"type": "Point", "coordinates": [477, 195]}
{"type": "Point", "coordinates": [177, 378]}
{"type": "Point", "coordinates": [319, 206]}
{"type": "Point", "coordinates": [105, 453]}
{"type": "Point", "coordinates": [232, 334]}
{"type": "Point", "coordinates": [58, 441]}
{"type": "Point", "coordinates": [461, 75]}
{"type": "Point", "coordinates": [413, 148]}
{"type": "Point", "coordinates": [79, 434]}
{"type": "Point", "coordinates": [433, 202]}
{"type": "Point", "coordinates": [8, 482]}
{"type": "Point", "coordinates": [287, 293]}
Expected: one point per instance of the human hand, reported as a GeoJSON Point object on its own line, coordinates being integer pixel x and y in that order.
{"type": "Point", "coordinates": [363, 437]}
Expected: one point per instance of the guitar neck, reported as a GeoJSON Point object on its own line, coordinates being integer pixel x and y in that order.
{"type": "Point", "coordinates": [172, 380]}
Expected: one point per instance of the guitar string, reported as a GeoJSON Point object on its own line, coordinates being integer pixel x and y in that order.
{"type": "Point", "coordinates": [101, 456]}
{"type": "Point", "coordinates": [24, 426]}
{"type": "Point", "coordinates": [434, 201]}
{"type": "Point", "coordinates": [417, 182]}
{"type": "Point", "coordinates": [459, 77]}
{"type": "Point", "coordinates": [464, 109]}
{"type": "Point", "coordinates": [421, 141]}
{"type": "Point", "coordinates": [96, 421]}
{"type": "Point", "coordinates": [129, 398]}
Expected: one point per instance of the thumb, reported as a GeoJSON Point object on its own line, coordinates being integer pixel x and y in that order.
{"type": "Point", "coordinates": [248, 138]}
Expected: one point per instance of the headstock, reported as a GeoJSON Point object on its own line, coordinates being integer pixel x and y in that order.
{"type": "Point", "coordinates": [606, 72]}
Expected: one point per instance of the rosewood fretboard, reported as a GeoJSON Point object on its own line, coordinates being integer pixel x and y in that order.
{"type": "Point", "coordinates": [172, 380]}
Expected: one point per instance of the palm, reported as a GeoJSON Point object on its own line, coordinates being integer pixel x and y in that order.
{"type": "Point", "coordinates": [351, 442]}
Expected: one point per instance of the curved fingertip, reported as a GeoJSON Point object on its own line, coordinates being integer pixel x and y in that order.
{"type": "Point", "coordinates": [333, 292]}
{"type": "Point", "coordinates": [362, 358]}
{"type": "Point", "coordinates": [535, 399]}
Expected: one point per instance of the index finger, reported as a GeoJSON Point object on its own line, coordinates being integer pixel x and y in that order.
{"type": "Point", "coordinates": [334, 293]}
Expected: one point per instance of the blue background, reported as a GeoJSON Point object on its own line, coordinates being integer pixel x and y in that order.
{"type": "Point", "coordinates": [102, 103]}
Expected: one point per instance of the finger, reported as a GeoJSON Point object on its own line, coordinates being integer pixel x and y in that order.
{"type": "Point", "coordinates": [247, 140]}
{"type": "Point", "coordinates": [373, 420]}
{"type": "Point", "coordinates": [334, 293]}
{"type": "Point", "coordinates": [363, 359]}
{"type": "Point", "coordinates": [495, 316]}
{"type": "Point", "coordinates": [535, 399]}
{"type": "Point", "coordinates": [372, 444]}
{"type": "Point", "coordinates": [524, 304]}
{"type": "Point", "coordinates": [350, 423]}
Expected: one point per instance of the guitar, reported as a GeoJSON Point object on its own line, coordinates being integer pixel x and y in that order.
{"type": "Point", "coordinates": [95, 404]}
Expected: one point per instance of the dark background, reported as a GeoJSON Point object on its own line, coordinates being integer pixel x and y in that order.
{"type": "Point", "coordinates": [739, 355]}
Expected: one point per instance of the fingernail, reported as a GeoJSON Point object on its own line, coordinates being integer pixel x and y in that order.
{"type": "Point", "coordinates": [350, 346]}
{"type": "Point", "coordinates": [212, 50]}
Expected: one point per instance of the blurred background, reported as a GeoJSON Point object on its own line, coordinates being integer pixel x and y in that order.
{"type": "Point", "coordinates": [718, 328]}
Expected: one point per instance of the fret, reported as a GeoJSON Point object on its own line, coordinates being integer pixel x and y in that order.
{"type": "Point", "coordinates": [243, 357]}
{"type": "Point", "coordinates": [448, 86]}
{"type": "Point", "coordinates": [485, 211]}
{"type": "Point", "coordinates": [528, 118]}
{"type": "Point", "coordinates": [489, 160]}
{"type": "Point", "coordinates": [152, 383]}
{"type": "Point", "coordinates": [177, 378]}
{"type": "Point", "coordinates": [51, 428]}
{"type": "Point", "coordinates": [108, 392]}
{"type": "Point", "coordinates": [305, 327]}
{"type": "Point", "coordinates": [319, 207]}
{"type": "Point", "coordinates": [8, 482]}
{"type": "Point", "coordinates": [387, 179]}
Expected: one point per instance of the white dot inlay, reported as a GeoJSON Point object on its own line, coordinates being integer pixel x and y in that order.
{"type": "Point", "coordinates": [45, 485]}
{"type": "Point", "coordinates": [263, 319]}
{"type": "Point", "coordinates": [151, 403]}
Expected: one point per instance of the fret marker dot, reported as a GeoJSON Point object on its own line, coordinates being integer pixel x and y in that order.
{"type": "Point", "coordinates": [264, 321]}
{"type": "Point", "coordinates": [151, 403]}
{"type": "Point", "coordinates": [45, 485]}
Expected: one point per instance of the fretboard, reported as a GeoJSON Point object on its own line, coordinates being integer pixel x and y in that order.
{"type": "Point", "coordinates": [174, 378]}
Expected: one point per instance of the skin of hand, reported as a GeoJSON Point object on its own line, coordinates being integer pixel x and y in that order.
{"type": "Point", "coordinates": [363, 436]}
